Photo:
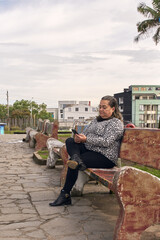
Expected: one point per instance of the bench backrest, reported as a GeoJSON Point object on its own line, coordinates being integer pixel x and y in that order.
{"type": "Point", "coordinates": [48, 128]}
{"type": "Point", "coordinates": [141, 146]}
{"type": "Point", "coordinates": [46, 124]}
{"type": "Point", "coordinates": [40, 125]}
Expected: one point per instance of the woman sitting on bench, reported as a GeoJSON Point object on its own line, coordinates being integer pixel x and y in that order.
{"type": "Point", "coordinates": [97, 147]}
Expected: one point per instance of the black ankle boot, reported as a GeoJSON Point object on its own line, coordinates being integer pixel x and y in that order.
{"type": "Point", "coordinates": [76, 163]}
{"type": "Point", "coordinates": [63, 199]}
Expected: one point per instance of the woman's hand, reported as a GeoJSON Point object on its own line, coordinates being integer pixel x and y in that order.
{"type": "Point", "coordinates": [80, 138]}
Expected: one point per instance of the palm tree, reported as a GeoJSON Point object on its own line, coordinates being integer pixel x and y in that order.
{"type": "Point", "coordinates": [153, 21]}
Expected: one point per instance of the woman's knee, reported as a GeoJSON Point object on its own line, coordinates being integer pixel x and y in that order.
{"type": "Point", "coordinates": [69, 143]}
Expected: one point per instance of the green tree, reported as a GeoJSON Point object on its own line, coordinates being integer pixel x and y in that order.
{"type": "Point", "coordinates": [26, 108]}
{"type": "Point", "coordinates": [21, 109]}
{"type": "Point", "coordinates": [153, 21]}
{"type": "Point", "coordinates": [3, 111]}
{"type": "Point", "coordinates": [43, 114]}
{"type": "Point", "coordinates": [34, 107]}
{"type": "Point", "coordinates": [23, 104]}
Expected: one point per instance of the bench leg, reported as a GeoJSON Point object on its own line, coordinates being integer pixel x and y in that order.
{"type": "Point", "coordinates": [64, 155]}
{"type": "Point", "coordinates": [32, 142]}
{"type": "Point", "coordinates": [138, 194]}
{"type": "Point", "coordinates": [26, 139]}
{"type": "Point", "coordinates": [82, 179]}
{"type": "Point", "coordinates": [52, 159]}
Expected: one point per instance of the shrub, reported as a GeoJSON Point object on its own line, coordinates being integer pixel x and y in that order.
{"type": "Point", "coordinates": [14, 128]}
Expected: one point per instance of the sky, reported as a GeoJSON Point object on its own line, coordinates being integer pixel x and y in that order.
{"type": "Point", "coordinates": [54, 50]}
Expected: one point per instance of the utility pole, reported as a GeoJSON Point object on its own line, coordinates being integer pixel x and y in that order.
{"type": "Point", "coordinates": [31, 122]}
{"type": "Point", "coordinates": [8, 111]}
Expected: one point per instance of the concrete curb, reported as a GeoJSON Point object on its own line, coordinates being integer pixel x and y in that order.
{"type": "Point", "coordinates": [38, 159]}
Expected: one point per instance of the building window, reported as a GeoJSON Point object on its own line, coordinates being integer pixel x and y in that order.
{"type": "Point", "coordinates": [157, 88]}
{"type": "Point", "coordinates": [70, 118]}
{"type": "Point", "coordinates": [81, 117]}
{"type": "Point", "coordinates": [94, 109]}
{"type": "Point", "coordinates": [141, 117]}
{"type": "Point", "coordinates": [149, 89]}
{"type": "Point", "coordinates": [142, 125]}
{"type": "Point", "coordinates": [150, 97]}
{"type": "Point", "coordinates": [143, 89]}
{"type": "Point", "coordinates": [86, 109]}
{"type": "Point", "coordinates": [136, 89]}
{"type": "Point", "coordinates": [61, 111]}
{"type": "Point", "coordinates": [141, 107]}
{"type": "Point", "coordinates": [121, 108]}
{"type": "Point", "coordinates": [61, 115]}
{"type": "Point", "coordinates": [136, 97]}
{"type": "Point", "coordinates": [121, 100]}
{"type": "Point", "coordinates": [76, 109]}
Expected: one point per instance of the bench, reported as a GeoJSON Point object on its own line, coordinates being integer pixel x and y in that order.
{"type": "Point", "coordinates": [38, 138]}
{"type": "Point", "coordinates": [137, 192]}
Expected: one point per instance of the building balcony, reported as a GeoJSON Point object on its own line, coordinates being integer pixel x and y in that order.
{"type": "Point", "coordinates": [151, 121]}
{"type": "Point", "coordinates": [151, 112]}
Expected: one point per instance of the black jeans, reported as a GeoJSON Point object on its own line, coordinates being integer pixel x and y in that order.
{"type": "Point", "coordinates": [90, 158]}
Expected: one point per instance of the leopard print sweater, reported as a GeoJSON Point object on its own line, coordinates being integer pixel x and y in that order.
{"type": "Point", "coordinates": [104, 137]}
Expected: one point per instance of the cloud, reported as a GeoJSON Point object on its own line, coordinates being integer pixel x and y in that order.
{"type": "Point", "coordinates": [140, 56]}
{"type": "Point", "coordinates": [52, 50]}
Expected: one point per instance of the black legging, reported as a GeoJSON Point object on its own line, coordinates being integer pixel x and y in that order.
{"type": "Point", "coordinates": [90, 158]}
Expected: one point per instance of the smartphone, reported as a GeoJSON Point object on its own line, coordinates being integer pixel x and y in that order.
{"type": "Point", "coordinates": [74, 131]}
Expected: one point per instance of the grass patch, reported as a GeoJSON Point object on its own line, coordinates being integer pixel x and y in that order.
{"type": "Point", "coordinates": [63, 137]}
{"type": "Point", "coordinates": [43, 154]}
{"type": "Point", "coordinates": [153, 171]}
{"type": "Point", "coordinates": [150, 170]}
{"type": "Point", "coordinates": [14, 132]}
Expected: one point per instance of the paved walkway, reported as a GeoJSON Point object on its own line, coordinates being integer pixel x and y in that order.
{"type": "Point", "coordinates": [26, 190]}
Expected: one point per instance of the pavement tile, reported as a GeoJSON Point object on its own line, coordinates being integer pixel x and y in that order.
{"type": "Point", "coordinates": [54, 226]}
{"type": "Point", "coordinates": [10, 233]}
{"type": "Point", "coordinates": [38, 234]}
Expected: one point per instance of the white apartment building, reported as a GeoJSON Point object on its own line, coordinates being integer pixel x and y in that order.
{"type": "Point", "coordinates": [70, 111]}
{"type": "Point", "coordinates": [79, 112]}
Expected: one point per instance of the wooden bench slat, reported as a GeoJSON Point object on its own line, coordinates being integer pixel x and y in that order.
{"type": "Point", "coordinates": [105, 176]}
